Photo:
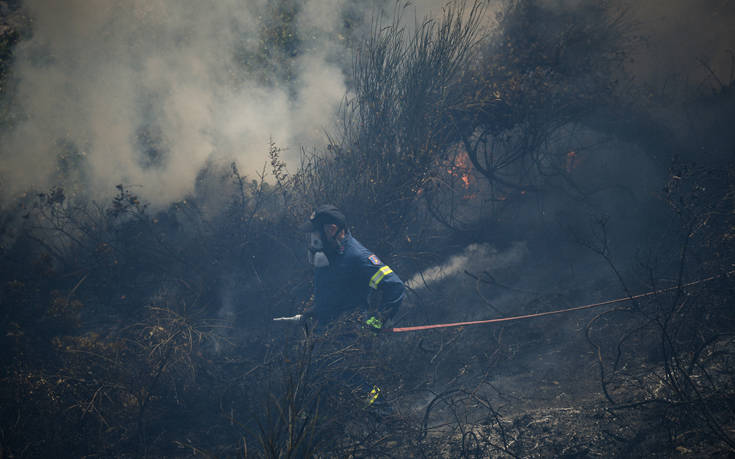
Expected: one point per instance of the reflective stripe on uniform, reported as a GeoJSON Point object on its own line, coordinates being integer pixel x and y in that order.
{"type": "Point", "coordinates": [373, 395]}
{"type": "Point", "coordinates": [379, 275]}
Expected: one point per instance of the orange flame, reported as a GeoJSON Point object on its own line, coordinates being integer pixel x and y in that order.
{"type": "Point", "coordinates": [460, 168]}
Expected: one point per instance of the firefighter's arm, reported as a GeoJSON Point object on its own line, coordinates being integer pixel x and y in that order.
{"type": "Point", "coordinates": [393, 294]}
{"type": "Point", "coordinates": [383, 278]}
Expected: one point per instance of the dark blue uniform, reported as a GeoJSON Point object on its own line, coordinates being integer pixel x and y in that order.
{"type": "Point", "coordinates": [346, 283]}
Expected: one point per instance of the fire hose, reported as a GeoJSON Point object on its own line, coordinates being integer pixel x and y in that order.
{"type": "Point", "coordinates": [558, 311]}
{"type": "Point", "coordinates": [298, 317]}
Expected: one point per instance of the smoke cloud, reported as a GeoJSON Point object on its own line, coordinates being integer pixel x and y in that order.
{"type": "Point", "coordinates": [680, 36]}
{"type": "Point", "coordinates": [475, 257]}
{"type": "Point", "coordinates": [148, 92]}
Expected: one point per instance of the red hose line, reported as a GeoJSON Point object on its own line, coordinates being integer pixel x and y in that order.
{"type": "Point", "coordinates": [558, 311]}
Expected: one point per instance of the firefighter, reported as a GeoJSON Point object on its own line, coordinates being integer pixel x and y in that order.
{"type": "Point", "coordinates": [345, 276]}
{"type": "Point", "coordinates": [346, 272]}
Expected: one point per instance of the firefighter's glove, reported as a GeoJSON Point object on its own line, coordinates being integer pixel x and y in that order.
{"type": "Point", "coordinates": [374, 324]}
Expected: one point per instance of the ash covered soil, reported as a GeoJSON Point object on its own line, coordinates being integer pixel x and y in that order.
{"type": "Point", "coordinates": [547, 400]}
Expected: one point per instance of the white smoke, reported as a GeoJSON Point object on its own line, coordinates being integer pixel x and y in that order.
{"type": "Point", "coordinates": [475, 257]}
{"type": "Point", "coordinates": [99, 82]}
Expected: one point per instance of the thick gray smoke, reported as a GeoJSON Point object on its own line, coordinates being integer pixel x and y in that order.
{"type": "Point", "coordinates": [147, 92]}
{"type": "Point", "coordinates": [684, 38]}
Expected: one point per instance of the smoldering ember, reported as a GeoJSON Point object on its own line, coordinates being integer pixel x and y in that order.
{"type": "Point", "coordinates": [543, 192]}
